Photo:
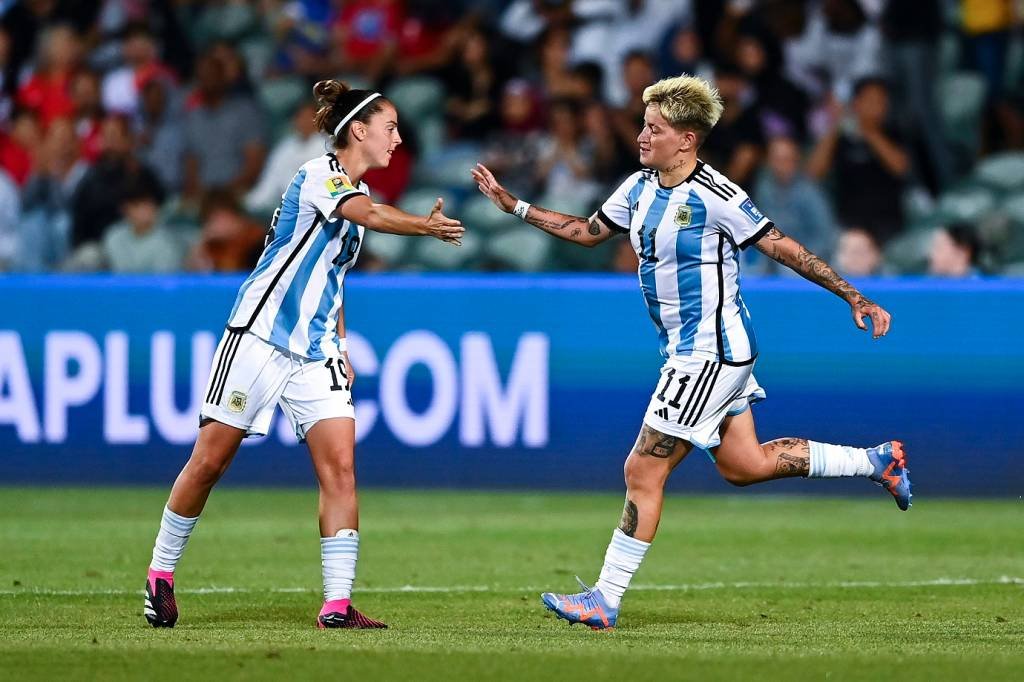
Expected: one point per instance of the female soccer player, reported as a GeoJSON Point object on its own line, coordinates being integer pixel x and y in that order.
{"type": "Point", "coordinates": [285, 345]}
{"type": "Point", "coordinates": [687, 224]}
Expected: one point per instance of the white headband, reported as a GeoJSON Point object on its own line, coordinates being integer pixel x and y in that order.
{"type": "Point", "coordinates": [349, 115]}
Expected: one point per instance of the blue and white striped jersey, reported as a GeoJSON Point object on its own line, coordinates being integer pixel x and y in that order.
{"type": "Point", "coordinates": [291, 299]}
{"type": "Point", "coordinates": [688, 239]}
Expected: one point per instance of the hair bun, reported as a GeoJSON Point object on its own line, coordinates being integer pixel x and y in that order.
{"type": "Point", "coordinates": [328, 92]}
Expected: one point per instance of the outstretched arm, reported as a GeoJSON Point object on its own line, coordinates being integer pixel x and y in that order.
{"type": "Point", "coordinates": [583, 231]}
{"type": "Point", "coordinates": [795, 256]}
{"type": "Point", "coordinates": [383, 218]}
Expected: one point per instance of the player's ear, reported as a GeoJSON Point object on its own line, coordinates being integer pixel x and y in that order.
{"type": "Point", "coordinates": [358, 129]}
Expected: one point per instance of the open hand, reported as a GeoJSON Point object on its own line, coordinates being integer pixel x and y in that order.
{"type": "Point", "coordinates": [880, 319]}
{"type": "Point", "coordinates": [492, 189]}
{"type": "Point", "coordinates": [442, 227]}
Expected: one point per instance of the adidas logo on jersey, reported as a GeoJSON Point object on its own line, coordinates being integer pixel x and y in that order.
{"type": "Point", "coordinates": [662, 413]}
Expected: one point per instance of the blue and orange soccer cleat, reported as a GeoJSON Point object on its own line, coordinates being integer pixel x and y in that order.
{"type": "Point", "coordinates": [160, 608]}
{"type": "Point", "coordinates": [891, 471]}
{"type": "Point", "coordinates": [588, 607]}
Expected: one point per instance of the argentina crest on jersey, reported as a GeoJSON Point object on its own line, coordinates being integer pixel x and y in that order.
{"type": "Point", "coordinates": [684, 215]}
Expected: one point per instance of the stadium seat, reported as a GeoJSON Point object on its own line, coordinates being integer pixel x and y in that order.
{"type": "Point", "coordinates": [969, 204]}
{"type": "Point", "coordinates": [479, 214]}
{"type": "Point", "coordinates": [420, 201]}
{"type": "Point", "coordinates": [1003, 172]}
{"type": "Point", "coordinates": [525, 249]}
{"type": "Point", "coordinates": [430, 132]}
{"type": "Point", "coordinates": [962, 97]}
{"type": "Point", "coordinates": [417, 97]}
{"type": "Point", "coordinates": [450, 168]}
{"type": "Point", "coordinates": [390, 248]}
{"type": "Point", "coordinates": [280, 97]}
{"type": "Point", "coordinates": [908, 252]}
{"type": "Point", "coordinates": [433, 254]}
{"type": "Point", "coordinates": [257, 52]}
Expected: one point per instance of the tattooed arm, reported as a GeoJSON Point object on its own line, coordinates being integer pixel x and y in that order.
{"type": "Point", "coordinates": [583, 231]}
{"type": "Point", "coordinates": [795, 256]}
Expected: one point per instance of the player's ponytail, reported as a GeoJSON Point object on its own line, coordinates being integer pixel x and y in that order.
{"type": "Point", "coordinates": [338, 105]}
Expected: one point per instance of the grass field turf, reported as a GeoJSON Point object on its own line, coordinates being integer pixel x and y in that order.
{"type": "Point", "coordinates": [738, 587]}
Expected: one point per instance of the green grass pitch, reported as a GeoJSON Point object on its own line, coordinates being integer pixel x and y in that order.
{"type": "Point", "coordinates": [735, 588]}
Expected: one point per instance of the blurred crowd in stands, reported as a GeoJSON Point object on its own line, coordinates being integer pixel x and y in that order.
{"type": "Point", "coordinates": [158, 135]}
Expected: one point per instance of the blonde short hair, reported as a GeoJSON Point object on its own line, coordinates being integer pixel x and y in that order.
{"type": "Point", "coordinates": [686, 102]}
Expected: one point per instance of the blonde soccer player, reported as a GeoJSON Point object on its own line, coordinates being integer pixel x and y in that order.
{"type": "Point", "coordinates": [284, 344]}
{"type": "Point", "coordinates": [687, 224]}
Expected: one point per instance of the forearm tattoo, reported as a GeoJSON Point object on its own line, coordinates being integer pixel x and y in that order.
{"type": "Point", "coordinates": [558, 224]}
{"type": "Point", "coordinates": [807, 265]}
{"type": "Point", "coordinates": [654, 443]}
{"type": "Point", "coordinates": [630, 518]}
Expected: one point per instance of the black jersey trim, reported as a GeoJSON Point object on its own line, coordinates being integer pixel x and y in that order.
{"type": "Point", "coordinates": [723, 190]}
{"type": "Point", "coordinates": [341, 201]}
{"type": "Point", "coordinates": [280, 273]}
{"type": "Point", "coordinates": [707, 395]}
{"type": "Point", "coordinates": [718, 311]}
{"type": "Point", "coordinates": [750, 241]}
{"type": "Point", "coordinates": [603, 217]}
{"type": "Point", "coordinates": [688, 178]}
{"type": "Point", "coordinates": [220, 376]}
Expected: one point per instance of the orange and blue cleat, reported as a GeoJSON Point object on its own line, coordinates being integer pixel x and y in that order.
{"type": "Point", "coordinates": [891, 471]}
{"type": "Point", "coordinates": [588, 607]}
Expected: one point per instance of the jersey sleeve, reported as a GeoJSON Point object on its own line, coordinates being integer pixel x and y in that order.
{"type": "Point", "coordinates": [741, 221]}
{"type": "Point", "coordinates": [615, 211]}
{"type": "Point", "coordinates": [327, 190]}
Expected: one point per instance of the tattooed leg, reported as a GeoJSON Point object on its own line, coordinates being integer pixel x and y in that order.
{"type": "Point", "coordinates": [792, 456]}
{"type": "Point", "coordinates": [648, 466]}
{"type": "Point", "coordinates": [627, 524]}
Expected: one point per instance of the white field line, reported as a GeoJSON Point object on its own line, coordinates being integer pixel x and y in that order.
{"type": "Point", "coordinates": [463, 589]}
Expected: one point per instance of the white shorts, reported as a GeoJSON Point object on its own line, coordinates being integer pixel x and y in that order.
{"type": "Point", "coordinates": [695, 395]}
{"type": "Point", "coordinates": [251, 377]}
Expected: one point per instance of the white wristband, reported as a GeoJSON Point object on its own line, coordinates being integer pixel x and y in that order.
{"type": "Point", "coordinates": [343, 345]}
{"type": "Point", "coordinates": [520, 210]}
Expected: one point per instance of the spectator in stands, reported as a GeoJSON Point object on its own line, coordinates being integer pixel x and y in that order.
{"type": "Point", "coordinates": [7, 79]}
{"type": "Point", "coordinates": [987, 28]}
{"type": "Point", "coordinates": [612, 158]}
{"type": "Point", "coordinates": [858, 254]}
{"type": "Point", "coordinates": [564, 168]}
{"type": "Point", "coordinates": [954, 251]}
{"type": "Point", "coordinates": [781, 106]}
{"type": "Point", "coordinates": [429, 37]}
{"type": "Point", "coordinates": [913, 29]}
{"type": "Point", "coordinates": [735, 146]}
{"type": "Point", "coordinates": [46, 200]}
{"type": "Point", "coordinates": [161, 133]}
{"type": "Point", "coordinates": [230, 241]}
{"type": "Point", "coordinates": [796, 204]}
{"type": "Point", "coordinates": [512, 152]}
{"type": "Point", "coordinates": [18, 148]}
{"type": "Point", "coordinates": [555, 74]}
{"type": "Point", "coordinates": [10, 211]}
{"type": "Point", "coordinates": [867, 159]}
{"type": "Point", "coordinates": [85, 92]}
{"type": "Point", "coordinates": [637, 73]}
{"type": "Point", "coordinates": [140, 242]}
{"type": "Point", "coordinates": [364, 37]}
{"type": "Point", "coordinates": [96, 202]}
{"type": "Point", "coordinates": [682, 51]}
{"type": "Point", "coordinates": [141, 62]}
{"type": "Point", "coordinates": [48, 92]}
{"type": "Point", "coordinates": [224, 136]}
{"type": "Point", "coordinates": [236, 73]}
{"type": "Point", "coordinates": [473, 84]}
{"type": "Point", "coordinates": [300, 145]}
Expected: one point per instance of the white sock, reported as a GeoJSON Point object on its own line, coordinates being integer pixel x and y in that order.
{"type": "Point", "coordinates": [620, 563]}
{"type": "Point", "coordinates": [171, 540]}
{"type": "Point", "coordinates": [339, 556]}
{"type": "Point", "coordinates": [834, 461]}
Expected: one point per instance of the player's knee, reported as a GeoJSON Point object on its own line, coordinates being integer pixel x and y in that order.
{"type": "Point", "coordinates": [337, 474]}
{"type": "Point", "coordinates": [641, 475]}
{"type": "Point", "coordinates": [207, 468]}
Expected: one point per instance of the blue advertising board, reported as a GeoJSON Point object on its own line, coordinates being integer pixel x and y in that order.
{"type": "Point", "coordinates": [509, 381]}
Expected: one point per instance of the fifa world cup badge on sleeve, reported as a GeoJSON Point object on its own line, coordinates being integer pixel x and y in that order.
{"type": "Point", "coordinates": [236, 401]}
{"type": "Point", "coordinates": [683, 216]}
{"type": "Point", "coordinates": [751, 211]}
{"type": "Point", "coordinates": [337, 185]}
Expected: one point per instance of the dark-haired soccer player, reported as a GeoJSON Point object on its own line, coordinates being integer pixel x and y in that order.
{"type": "Point", "coordinates": [687, 224]}
{"type": "Point", "coordinates": [285, 345]}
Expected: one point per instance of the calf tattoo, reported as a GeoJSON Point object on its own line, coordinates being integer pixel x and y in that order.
{"type": "Point", "coordinates": [794, 458]}
{"type": "Point", "coordinates": [654, 443]}
{"type": "Point", "coordinates": [630, 518]}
